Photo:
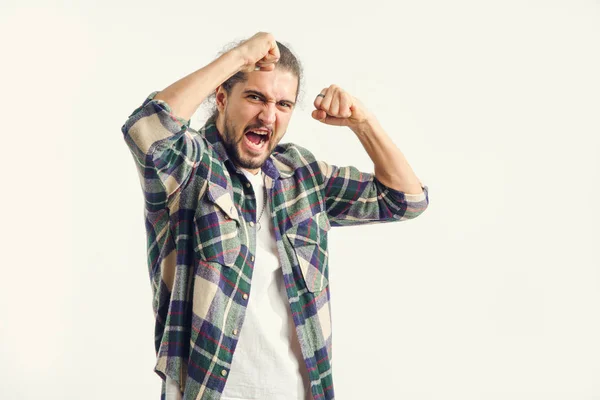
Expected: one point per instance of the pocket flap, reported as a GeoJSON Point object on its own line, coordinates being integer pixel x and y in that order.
{"type": "Point", "coordinates": [309, 240]}
{"type": "Point", "coordinates": [222, 198]}
{"type": "Point", "coordinates": [312, 231]}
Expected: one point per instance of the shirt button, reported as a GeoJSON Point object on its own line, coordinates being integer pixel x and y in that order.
{"type": "Point", "coordinates": [252, 258]}
{"type": "Point", "coordinates": [251, 223]}
{"type": "Point", "coordinates": [235, 332]}
{"type": "Point", "coordinates": [224, 372]}
{"type": "Point", "coordinates": [245, 296]}
{"type": "Point", "coordinates": [227, 217]}
{"type": "Point", "coordinates": [248, 184]}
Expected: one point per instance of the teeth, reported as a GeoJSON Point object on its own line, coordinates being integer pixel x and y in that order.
{"type": "Point", "coordinates": [261, 133]}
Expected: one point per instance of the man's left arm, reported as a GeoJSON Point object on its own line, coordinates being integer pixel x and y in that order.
{"type": "Point", "coordinates": [393, 175]}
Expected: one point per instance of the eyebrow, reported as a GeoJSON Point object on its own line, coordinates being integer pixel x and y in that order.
{"type": "Point", "coordinates": [264, 97]}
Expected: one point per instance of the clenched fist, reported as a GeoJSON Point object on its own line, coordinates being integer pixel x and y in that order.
{"type": "Point", "coordinates": [260, 52]}
{"type": "Point", "coordinates": [335, 106]}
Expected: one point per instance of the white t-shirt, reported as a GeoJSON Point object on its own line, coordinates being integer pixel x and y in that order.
{"type": "Point", "coordinates": [267, 363]}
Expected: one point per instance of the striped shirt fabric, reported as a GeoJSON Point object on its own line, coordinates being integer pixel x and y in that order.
{"type": "Point", "coordinates": [200, 214]}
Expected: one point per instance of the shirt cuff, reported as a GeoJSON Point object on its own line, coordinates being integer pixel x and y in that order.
{"type": "Point", "coordinates": [165, 106]}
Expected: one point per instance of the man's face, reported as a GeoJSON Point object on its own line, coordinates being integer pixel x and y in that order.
{"type": "Point", "coordinates": [254, 116]}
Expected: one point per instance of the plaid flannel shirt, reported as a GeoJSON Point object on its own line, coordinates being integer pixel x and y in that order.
{"type": "Point", "coordinates": [200, 212]}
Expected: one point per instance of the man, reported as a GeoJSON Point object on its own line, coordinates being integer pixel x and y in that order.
{"type": "Point", "coordinates": [228, 209]}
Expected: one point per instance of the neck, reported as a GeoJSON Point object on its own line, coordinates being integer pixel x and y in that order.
{"type": "Point", "coordinates": [252, 171]}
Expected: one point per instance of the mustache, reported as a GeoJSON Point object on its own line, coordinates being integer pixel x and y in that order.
{"type": "Point", "coordinates": [259, 126]}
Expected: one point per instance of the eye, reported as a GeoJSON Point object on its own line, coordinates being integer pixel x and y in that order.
{"type": "Point", "coordinates": [285, 104]}
{"type": "Point", "coordinates": [253, 97]}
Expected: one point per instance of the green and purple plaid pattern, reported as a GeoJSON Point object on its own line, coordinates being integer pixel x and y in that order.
{"type": "Point", "coordinates": [200, 212]}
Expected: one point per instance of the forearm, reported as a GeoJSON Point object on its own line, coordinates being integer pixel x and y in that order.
{"type": "Point", "coordinates": [391, 167]}
{"type": "Point", "coordinates": [187, 94]}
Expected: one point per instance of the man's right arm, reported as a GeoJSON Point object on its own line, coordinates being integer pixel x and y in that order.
{"type": "Point", "coordinates": [164, 151]}
{"type": "Point", "coordinates": [157, 134]}
{"type": "Point", "coordinates": [186, 95]}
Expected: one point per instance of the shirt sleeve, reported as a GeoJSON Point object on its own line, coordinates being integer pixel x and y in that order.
{"type": "Point", "coordinates": [166, 151]}
{"type": "Point", "coordinates": [353, 197]}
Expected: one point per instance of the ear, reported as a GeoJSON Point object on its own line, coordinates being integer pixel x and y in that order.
{"type": "Point", "coordinates": [221, 98]}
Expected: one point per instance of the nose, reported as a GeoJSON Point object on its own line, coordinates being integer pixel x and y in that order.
{"type": "Point", "coordinates": [267, 116]}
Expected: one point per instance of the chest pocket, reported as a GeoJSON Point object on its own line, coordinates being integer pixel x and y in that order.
{"type": "Point", "coordinates": [309, 241]}
{"type": "Point", "coordinates": [217, 225]}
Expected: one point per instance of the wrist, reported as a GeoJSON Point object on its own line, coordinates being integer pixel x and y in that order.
{"type": "Point", "coordinates": [239, 58]}
{"type": "Point", "coordinates": [366, 126]}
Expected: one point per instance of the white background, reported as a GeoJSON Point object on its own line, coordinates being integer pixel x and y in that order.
{"type": "Point", "coordinates": [493, 293]}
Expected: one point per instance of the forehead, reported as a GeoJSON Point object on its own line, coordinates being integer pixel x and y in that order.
{"type": "Point", "coordinates": [278, 84]}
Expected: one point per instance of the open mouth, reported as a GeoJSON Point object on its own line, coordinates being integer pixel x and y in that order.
{"type": "Point", "coordinates": [257, 139]}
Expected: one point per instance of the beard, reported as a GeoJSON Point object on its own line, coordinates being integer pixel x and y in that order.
{"type": "Point", "coordinates": [233, 145]}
